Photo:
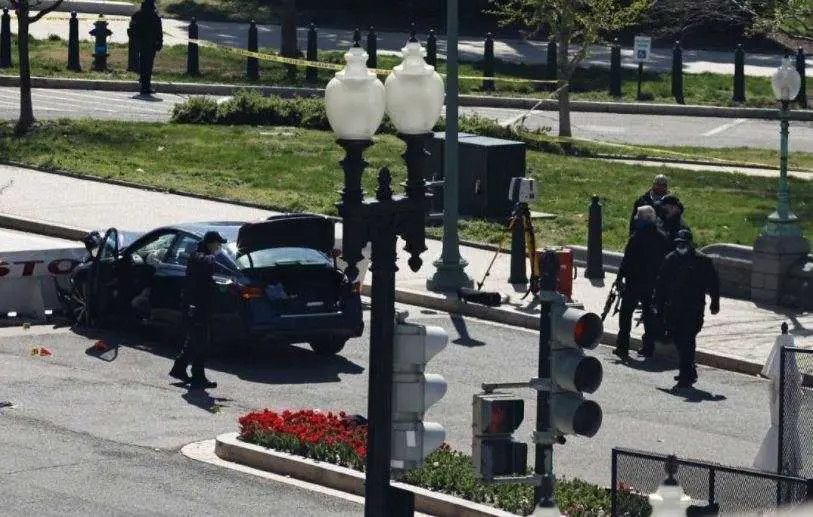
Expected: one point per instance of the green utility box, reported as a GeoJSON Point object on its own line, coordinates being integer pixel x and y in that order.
{"type": "Point", "coordinates": [486, 168]}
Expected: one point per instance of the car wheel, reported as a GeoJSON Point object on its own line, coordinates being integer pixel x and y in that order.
{"type": "Point", "coordinates": [75, 302]}
{"type": "Point", "coordinates": [328, 346]}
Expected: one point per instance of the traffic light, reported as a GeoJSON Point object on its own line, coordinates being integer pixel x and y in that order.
{"type": "Point", "coordinates": [413, 393]}
{"type": "Point", "coordinates": [573, 373]}
{"type": "Point", "coordinates": [495, 418]}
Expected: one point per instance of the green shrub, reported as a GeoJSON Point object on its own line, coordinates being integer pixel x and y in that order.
{"type": "Point", "coordinates": [197, 110]}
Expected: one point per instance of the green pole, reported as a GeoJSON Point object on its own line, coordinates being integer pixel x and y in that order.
{"type": "Point", "coordinates": [450, 271]}
{"type": "Point", "coordinates": [783, 223]}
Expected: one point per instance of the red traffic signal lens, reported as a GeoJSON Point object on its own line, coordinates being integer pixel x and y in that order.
{"type": "Point", "coordinates": [587, 331]}
{"type": "Point", "coordinates": [505, 416]}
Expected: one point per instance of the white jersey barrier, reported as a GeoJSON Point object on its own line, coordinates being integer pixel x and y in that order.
{"type": "Point", "coordinates": [28, 280]}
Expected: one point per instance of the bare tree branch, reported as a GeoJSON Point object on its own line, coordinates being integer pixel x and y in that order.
{"type": "Point", "coordinates": [43, 12]}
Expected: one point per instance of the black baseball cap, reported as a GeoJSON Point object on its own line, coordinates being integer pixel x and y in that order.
{"type": "Point", "coordinates": [213, 236]}
{"type": "Point", "coordinates": [671, 199]}
{"type": "Point", "coordinates": [684, 236]}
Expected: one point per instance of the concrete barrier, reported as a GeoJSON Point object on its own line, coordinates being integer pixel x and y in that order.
{"type": "Point", "coordinates": [28, 280]}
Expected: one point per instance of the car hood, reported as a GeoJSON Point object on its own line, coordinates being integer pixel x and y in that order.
{"type": "Point", "coordinates": [302, 231]}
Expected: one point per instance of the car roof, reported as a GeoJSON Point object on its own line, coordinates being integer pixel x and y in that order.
{"type": "Point", "coordinates": [227, 229]}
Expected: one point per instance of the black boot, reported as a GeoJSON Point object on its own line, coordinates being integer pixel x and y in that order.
{"type": "Point", "coordinates": [178, 371]}
{"type": "Point", "coordinates": [201, 383]}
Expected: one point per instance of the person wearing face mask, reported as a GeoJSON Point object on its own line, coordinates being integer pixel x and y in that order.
{"type": "Point", "coordinates": [671, 217]}
{"type": "Point", "coordinates": [651, 197]}
{"type": "Point", "coordinates": [685, 278]}
{"type": "Point", "coordinates": [199, 293]}
{"type": "Point", "coordinates": [643, 255]}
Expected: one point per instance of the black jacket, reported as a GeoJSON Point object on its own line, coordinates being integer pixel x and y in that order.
{"type": "Point", "coordinates": [645, 199]}
{"type": "Point", "coordinates": [671, 227]}
{"type": "Point", "coordinates": [642, 260]}
{"type": "Point", "coordinates": [147, 29]}
{"type": "Point", "coordinates": [682, 284]}
{"type": "Point", "coordinates": [200, 286]}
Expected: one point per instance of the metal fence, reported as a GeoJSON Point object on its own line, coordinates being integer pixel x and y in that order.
{"type": "Point", "coordinates": [795, 441]}
{"type": "Point", "coordinates": [710, 485]}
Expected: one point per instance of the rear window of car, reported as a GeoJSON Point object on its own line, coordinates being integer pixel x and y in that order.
{"type": "Point", "coordinates": [279, 257]}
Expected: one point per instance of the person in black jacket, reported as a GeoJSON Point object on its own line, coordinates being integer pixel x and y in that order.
{"type": "Point", "coordinates": [672, 221]}
{"type": "Point", "coordinates": [652, 197]}
{"type": "Point", "coordinates": [148, 34]}
{"type": "Point", "coordinates": [643, 255]}
{"type": "Point", "coordinates": [198, 298]}
{"type": "Point", "coordinates": [684, 279]}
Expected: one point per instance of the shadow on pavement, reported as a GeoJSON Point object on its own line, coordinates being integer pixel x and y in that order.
{"type": "Point", "coordinates": [462, 330]}
{"type": "Point", "coordinates": [693, 394]}
{"type": "Point", "coordinates": [202, 399]}
{"type": "Point", "coordinates": [265, 363]}
{"type": "Point", "coordinates": [647, 365]}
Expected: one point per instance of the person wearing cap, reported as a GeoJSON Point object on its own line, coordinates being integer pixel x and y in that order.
{"type": "Point", "coordinates": [643, 256]}
{"type": "Point", "coordinates": [671, 217]}
{"type": "Point", "coordinates": [198, 298]}
{"type": "Point", "coordinates": [685, 278]}
{"type": "Point", "coordinates": [660, 188]}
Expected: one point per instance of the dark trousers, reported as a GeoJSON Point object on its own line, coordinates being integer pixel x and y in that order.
{"type": "Point", "coordinates": [146, 59]}
{"type": "Point", "coordinates": [684, 332]}
{"type": "Point", "coordinates": [196, 344]}
{"type": "Point", "coordinates": [628, 304]}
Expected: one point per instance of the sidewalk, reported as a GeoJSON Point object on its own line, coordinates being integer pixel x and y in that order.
{"type": "Point", "coordinates": [739, 338]}
{"type": "Point", "coordinates": [471, 49]}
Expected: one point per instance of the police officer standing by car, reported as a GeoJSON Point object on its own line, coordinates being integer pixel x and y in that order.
{"type": "Point", "coordinates": [684, 279]}
{"type": "Point", "coordinates": [198, 298]}
{"type": "Point", "coordinates": [643, 256]}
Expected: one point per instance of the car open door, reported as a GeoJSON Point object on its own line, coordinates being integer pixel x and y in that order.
{"type": "Point", "coordinates": [104, 280]}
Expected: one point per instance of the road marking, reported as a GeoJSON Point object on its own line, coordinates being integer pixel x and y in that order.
{"type": "Point", "coordinates": [724, 127]}
{"type": "Point", "coordinates": [603, 129]}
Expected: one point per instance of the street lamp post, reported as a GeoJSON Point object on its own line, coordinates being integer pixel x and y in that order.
{"type": "Point", "coordinates": [782, 222]}
{"type": "Point", "coordinates": [450, 271]}
{"type": "Point", "coordinates": [355, 101]}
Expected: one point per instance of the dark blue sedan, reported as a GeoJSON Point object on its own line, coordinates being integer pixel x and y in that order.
{"type": "Point", "coordinates": [277, 280]}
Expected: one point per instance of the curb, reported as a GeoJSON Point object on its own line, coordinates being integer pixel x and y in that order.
{"type": "Point", "coordinates": [229, 448]}
{"type": "Point", "coordinates": [481, 101]}
{"type": "Point", "coordinates": [91, 7]}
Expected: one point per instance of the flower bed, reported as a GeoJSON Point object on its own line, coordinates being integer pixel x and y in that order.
{"type": "Point", "coordinates": [340, 439]}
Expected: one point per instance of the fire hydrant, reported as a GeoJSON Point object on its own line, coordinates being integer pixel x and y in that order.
{"type": "Point", "coordinates": [100, 32]}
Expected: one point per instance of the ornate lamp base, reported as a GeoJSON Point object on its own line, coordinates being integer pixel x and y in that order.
{"type": "Point", "coordinates": [449, 277]}
{"type": "Point", "coordinates": [779, 226]}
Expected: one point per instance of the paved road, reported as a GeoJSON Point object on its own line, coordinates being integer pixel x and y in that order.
{"type": "Point", "coordinates": [11, 240]}
{"type": "Point", "coordinates": [627, 129]}
{"type": "Point", "coordinates": [121, 419]}
{"type": "Point", "coordinates": [531, 52]}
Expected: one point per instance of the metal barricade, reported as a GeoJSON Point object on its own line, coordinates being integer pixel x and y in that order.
{"type": "Point", "coordinates": [731, 489]}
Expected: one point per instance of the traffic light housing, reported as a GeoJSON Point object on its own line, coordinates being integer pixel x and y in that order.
{"type": "Point", "coordinates": [414, 392]}
{"type": "Point", "coordinates": [572, 372]}
{"type": "Point", "coordinates": [495, 417]}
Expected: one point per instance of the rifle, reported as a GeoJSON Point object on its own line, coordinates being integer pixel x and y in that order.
{"type": "Point", "coordinates": [614, 297]}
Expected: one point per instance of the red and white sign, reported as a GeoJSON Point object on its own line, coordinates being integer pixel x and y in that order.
{"type": "Point", "coordinates": [20, 264]}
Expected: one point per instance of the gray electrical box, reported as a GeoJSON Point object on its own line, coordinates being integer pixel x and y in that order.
{"type": "Point", "coordinates": [486, 168]}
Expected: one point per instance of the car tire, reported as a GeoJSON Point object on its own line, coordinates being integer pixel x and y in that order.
{"type": "Point", "coordinates": [327, 346]}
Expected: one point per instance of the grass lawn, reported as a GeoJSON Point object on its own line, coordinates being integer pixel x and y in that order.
{"type": "Point", "coordinates": [49, 58]}
{"type": "Point", "coordinates": [294, 169]}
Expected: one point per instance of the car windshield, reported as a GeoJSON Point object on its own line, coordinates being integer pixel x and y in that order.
{"type": "Point", "coordinates": [276, 257]}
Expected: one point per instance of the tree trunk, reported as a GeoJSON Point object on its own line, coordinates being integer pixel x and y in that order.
{"type": "Point", "coordinates": [289, 41]}
{"type": "Point", "coordinates": [26, 119]}
{"type": "Point", "coordinates": [564, 74]}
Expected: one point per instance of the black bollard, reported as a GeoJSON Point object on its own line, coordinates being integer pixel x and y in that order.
{"type": "Point", "coordinates": [311, 73]}
{"type": "Point", "coordinates": [73, 44]}
{"type": "Point", "coordinates": [192, 56]}
{"type": "Point", "coordinates": [551, 55]}
{"type": "Point", "coordinates": [132, 52]}
{"type": "Point", "coordinates": [252, 64]}
{"type": "Point", "coordinates": [100, 32]}
{"type": "Point", "coordinates": [372, 48]}
{"type": "Point", "coordinates": [677, 73]}
{"type": "Point", "coordinates": [800, 67]}
{"type": "Point", "coordinates": [518, 256]}
{"type": "Point", "coordinates": [739, 74]}
{"type": "Point", "coordinates": [488, 63]}
{"type": "Point", "coordinates": [595, 266]}
{"type": "Point", "coordinates": [432, 48]}
{"type": "Point", "coordinates": [5, 40]}
{"type": "Point", "coordinates": [615, 69]}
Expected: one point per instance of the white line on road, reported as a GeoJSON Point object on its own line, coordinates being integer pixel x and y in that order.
{"type": "Point", "coordinates": [725, 127]}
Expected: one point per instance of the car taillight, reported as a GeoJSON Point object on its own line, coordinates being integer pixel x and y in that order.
{"type": "Point", "coordinates": [336, 253]}
{"type": "Point", "coordinates": [248, 292]}
{"type": "Point", "coordinates": [355, 287]}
